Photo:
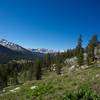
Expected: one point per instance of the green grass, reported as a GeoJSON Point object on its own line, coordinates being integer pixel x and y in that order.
{"type": "Point", "coordinates": [54, 87]}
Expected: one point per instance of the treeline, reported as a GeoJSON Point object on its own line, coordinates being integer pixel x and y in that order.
{"type": "Point", "coordinates": [14, 73]}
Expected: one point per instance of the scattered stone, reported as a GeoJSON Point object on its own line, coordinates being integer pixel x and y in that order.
{"type": "Point", "coordinates": [72, 68]}
{"type": "Point", "coordinates": [33, 87]}
{"type": "Point", "coordinates": [3, 90]}
{"type": "Point", "coordinates": [53, 67]}
{"type": "Point", "coordinates": [15, 90]}
{"type": "Point", "coordinates": [97, 75]}
{"type": "Point", "coordinates": [84, 67]}
{"type": "Point", "coordinates": [71, 61]}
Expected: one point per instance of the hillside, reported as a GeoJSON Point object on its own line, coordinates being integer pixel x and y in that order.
{"type": "Point", "coordinates": [71, 75]}
{"type": "Point", "coordinates": [11, 51]}
{"type": "Point", "coordinates": [82, 83]}
{"type": "Point", "coordinates": [7, 54]}
{"type": "Point", "coordinates": [12, 46]}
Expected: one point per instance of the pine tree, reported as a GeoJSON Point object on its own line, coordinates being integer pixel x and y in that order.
{"type": "Point", "coordinates": [38, 71]}
{"type": "Point", "coordinates": [58, 63]}
{"type": "Point", "coordinates": [91, 49]}
{"type": "Point", "coordinates": [3, 75]}
{"type": "Point", "coordinates": [80, 52]}
{"type": "Point", "coordinates": [30, 71]}
{"type": "Point", "coordinates": [15, 72]}
{"type": "Point", "coordinates": [48, 61]}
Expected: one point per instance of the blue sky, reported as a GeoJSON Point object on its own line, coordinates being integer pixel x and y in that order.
{"type": "Point", "coordinates": [49, 23]}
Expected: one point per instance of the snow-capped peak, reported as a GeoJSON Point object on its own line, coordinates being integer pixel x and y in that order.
{"type": "Point", "coordinates": [42, 50]}
{"type": "Point", "coordinates": [10, 45]}
{"type": "Point", "coordinates": [4, 42]}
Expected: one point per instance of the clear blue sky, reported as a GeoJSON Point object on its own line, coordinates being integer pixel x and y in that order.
{"type": "Point", "coordinates": [49, 23]}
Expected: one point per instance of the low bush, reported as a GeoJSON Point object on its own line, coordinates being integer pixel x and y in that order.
{"type": "Point", "coordinates": [81, 94]}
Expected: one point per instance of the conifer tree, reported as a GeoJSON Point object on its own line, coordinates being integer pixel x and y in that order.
{"type": "Point", "coordinates": [30, 71]}
{"type": "Point", "coordinates": [80, 52]}
{"type": "Point", "coordinates": [15, 72]}
{"type": "Point", "coordinates": [91, 49]}
{"type": "Point", "coordinates": [38, 71]}
{"type": "Point", "coordinates": [58, 64]}
{"type": "Point", "coordinates": [48, 61]}
{"type": "Point", "coordinates": [3, 75]}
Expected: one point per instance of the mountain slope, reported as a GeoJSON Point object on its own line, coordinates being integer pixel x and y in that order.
{"type": "Point", "coordinates": [54, 87]}
{"type": "Point", "coordinates": [7, 54]}
{"type": "Point", "coordinates": [12, 46]}
{"type": "Point", "coordinates": [42, 50]}
{"type": "Point", "coordinates": [12, 51]}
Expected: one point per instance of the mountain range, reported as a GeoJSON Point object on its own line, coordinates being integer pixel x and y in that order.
{"type": "Point", "coordinates": [42, 50]}
{"type": "Point", "coordinates": [9, 51]}
{"type": "Point", "coordinates": [16, 47]}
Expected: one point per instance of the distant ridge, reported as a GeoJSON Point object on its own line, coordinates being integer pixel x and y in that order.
{"type": "Point", "coordinates": [11, 51]}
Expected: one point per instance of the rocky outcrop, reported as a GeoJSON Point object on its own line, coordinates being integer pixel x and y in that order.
{"type": "Point", "coordinates": [97, 52]}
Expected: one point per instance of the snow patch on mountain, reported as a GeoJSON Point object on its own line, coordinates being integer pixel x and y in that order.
{"type": "Point", "coordinates": [16, 47]}
{"type": "Point", "coordinates": [42, 50]}
{"type": "Point", "coordinates": [11, 45]}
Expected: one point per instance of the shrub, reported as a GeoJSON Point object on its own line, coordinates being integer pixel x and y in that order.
{"type": "Point", "coordinates": [81, 94]}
